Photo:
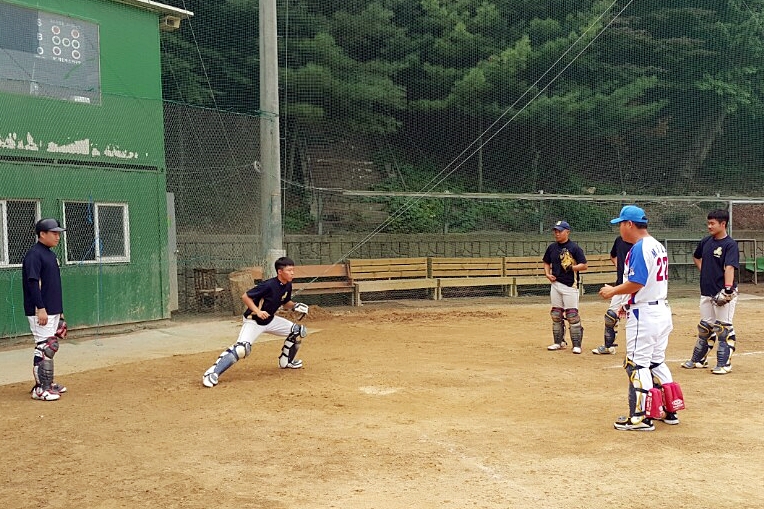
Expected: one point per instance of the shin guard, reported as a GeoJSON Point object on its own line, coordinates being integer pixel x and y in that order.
{"type": "Point", "coordinates": [672, 397]}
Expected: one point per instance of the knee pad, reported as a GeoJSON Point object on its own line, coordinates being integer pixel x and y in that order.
{"type": "Point", "coordinates": [242, 349]}
{"type": "Point", "coordinates": [556, 314]}
{"type": "Point", "coordinates": [611, 319]}
{"type": "Point", "coordinates": [723, 330]}
{"type": "Point", "coordinates": [572, 316]}
{"type": "Point", "coordinates": [297, 331]}
{"type": "Point", "coordinates": [706, 332]}
{"type": "Point", "coordinates": [48, 347]}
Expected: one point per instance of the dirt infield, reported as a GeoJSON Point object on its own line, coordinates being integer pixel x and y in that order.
{"type": "Point", "coordinates": [453, 405]}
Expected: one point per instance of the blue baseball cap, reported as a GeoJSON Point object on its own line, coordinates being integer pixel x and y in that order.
{"type": "Point", "coordinates": [630, 213]}
{"type": "Point", "coordinates": [561, 225]}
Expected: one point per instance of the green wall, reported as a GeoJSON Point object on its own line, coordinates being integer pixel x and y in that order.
{"type": "Point", "coordinates": [124, 163]}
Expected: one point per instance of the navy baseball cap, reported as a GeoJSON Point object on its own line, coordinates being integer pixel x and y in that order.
{"type": "Point", "coordinates": [48, 225]}
{"type": "Point", "coordinates": [561, 225]}
{"type": "Point", "coordinates": [630, 213]}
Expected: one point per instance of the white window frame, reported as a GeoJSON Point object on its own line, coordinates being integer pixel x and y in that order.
{"type": "Point", "coordinates": [97, 235]}
{"type": "Point", "coordinates": [4, 237]}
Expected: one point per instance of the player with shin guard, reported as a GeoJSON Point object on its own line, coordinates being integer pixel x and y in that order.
{"type": "Point", "coordinates": [43, 306]}
{"type": "Point", "coordinates": [617, 256]}
{"type": "Point", "coordinates": [263, 301]}
{"type": "Point", "coordinates": [648, 323]}
{"type": "Point", "coordinates": [717, 257]}
{"type": "Point", "coordinates": [563, 260]}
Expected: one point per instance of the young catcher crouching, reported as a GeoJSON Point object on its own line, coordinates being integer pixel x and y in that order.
{"type": "Point", "coordinates": [262, 302]}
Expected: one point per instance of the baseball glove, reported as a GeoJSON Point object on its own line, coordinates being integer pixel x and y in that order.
{"type": "Point", "coordinates": [61, 330]}
{"type": "Point", "coordinates": [724, 296]}
{"type": "Point", "coordinates": [299, 307]}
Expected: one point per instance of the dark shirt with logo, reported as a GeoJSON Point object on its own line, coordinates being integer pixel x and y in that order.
{"type": "Point", "coordinates": [557, 253]}
{"type": "Point", "coordinates": [273, 293]}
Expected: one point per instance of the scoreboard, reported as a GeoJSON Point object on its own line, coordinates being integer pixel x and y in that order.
{"type": "Point", "coordinates": [49, 55]}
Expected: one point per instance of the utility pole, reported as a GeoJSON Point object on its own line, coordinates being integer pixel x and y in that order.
{"type": "Point", "coordinates": [270, 153]}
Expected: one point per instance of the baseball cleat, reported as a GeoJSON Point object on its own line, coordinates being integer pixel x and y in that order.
{"type": "Point", "coordinates": [210, 379]}
{"type": "Point", "coordinates": [722, 370]}
{"type": "Point", "coordinates": [670, 418]}
{"type": "Point", "coordinates": [576, 349]}
{"type": "Point", "coordinates": [557, 346]}
{"type": "Point", "coordinates": [627, 424]}
{"type": "Point", "coordinates": [694, 365]}
{"type": "Point", "coordinates": [295, 364]}
{"type": "Point", "coordinates": [41, 394]}
{"type": "Point", "coordinates": [604, 350]}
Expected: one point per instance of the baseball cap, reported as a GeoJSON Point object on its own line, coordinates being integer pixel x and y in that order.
{"type": "Point", "coordinates": [48, 225]}
{"type": "Point", "coordinates": [561, 225]}
{"type": "Point", "coordinates": [631, 213]}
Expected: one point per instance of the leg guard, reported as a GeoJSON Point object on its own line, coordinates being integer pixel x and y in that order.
{"type": "Point", "coordinates": [611, 321]}
{"type": "Point", "coordinates": [292, 343]}
{"type": "Point", "coordinates": [576, 329]}
{"type": "Point", "coordinates": [639, 389]}
{"type": "Point", "coordinates": [558, 326]}
{"type": "Point", "coordinates": [706, 340]}
{"type": "Point", "coordinates": [726, 335]}
{"type": "Point", "coordinates": [42, 367]}
{"type": "Point", "coordinates": [230, 356]}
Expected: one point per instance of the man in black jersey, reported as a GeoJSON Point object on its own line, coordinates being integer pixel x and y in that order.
{"type": "Point", "coordinates": [262, 302]}
{"type": "Point", "coordinates": [563, 260]}
{"type": "Point", "coordinates": [717, 256]}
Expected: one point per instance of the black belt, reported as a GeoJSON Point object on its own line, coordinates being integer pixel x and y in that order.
{"type": "Point", "coordinates": [651, 303]}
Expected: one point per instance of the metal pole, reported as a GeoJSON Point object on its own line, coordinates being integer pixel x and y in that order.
{"type": "Point", "coordinates": [270, 191]}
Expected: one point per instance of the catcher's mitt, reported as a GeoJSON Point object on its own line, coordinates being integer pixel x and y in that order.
{"type": "Point", "coordinates": [724, 296]}
{"type": "Point", "coordinates": [61, 330]}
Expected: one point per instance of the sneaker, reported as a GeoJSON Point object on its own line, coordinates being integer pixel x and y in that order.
{"type": "Point", "coordinates": [210, 379]}
{"type": "Point", "coordinates": [670, 418]}
{"type": "Point", "coordinates": [44, 395]}
{"type": "Point", "coordinates": [58, 388]}
{"type": "Point", "coordinates": [604, 350]}
{"type": "Point", "coordinates": [695, 365]}
{"type": "Point", "coordinates": [557, 346]}
{"type": "Point", "coordinates": [576, 349]}
{"type": "Point", "coordinates": [627, 424]}
{"type": "Point", "coordinates": [295, 364]}
{"type": "Point", "coordinates": [722, 370]}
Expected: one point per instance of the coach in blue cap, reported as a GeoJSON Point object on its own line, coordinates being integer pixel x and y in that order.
{"type": "Point", "coordinates": [644, 291]}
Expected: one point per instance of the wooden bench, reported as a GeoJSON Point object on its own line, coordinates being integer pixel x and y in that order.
{"type": "Point", "coordinates": [601, 271]}
{"type": "Point", "coordinates": [321, 279]}
{"type": "Point", "coordinates": [467, 272]}
{"type": "Point", "coordinates": [384, 274]}
{"type": "Point", "coordinates": [526, 271]}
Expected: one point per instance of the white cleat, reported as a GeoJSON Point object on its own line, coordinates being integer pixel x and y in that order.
{"type": "Point", "coordinates": [295, 364]}
{"type": "Point", "coordinates": [210, 379]}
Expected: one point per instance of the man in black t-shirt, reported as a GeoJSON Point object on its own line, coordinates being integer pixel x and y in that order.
{"type": "Point", "coordinates": [618, 254]}
{"type": "Point", "coordinates": [262, 302]}
{"type": "Point", "coordinates": [563, 260]}
{"type": "Point", "coordinates": [717, 256]}
{"type": "Point", "coordinates": [43, 306]}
